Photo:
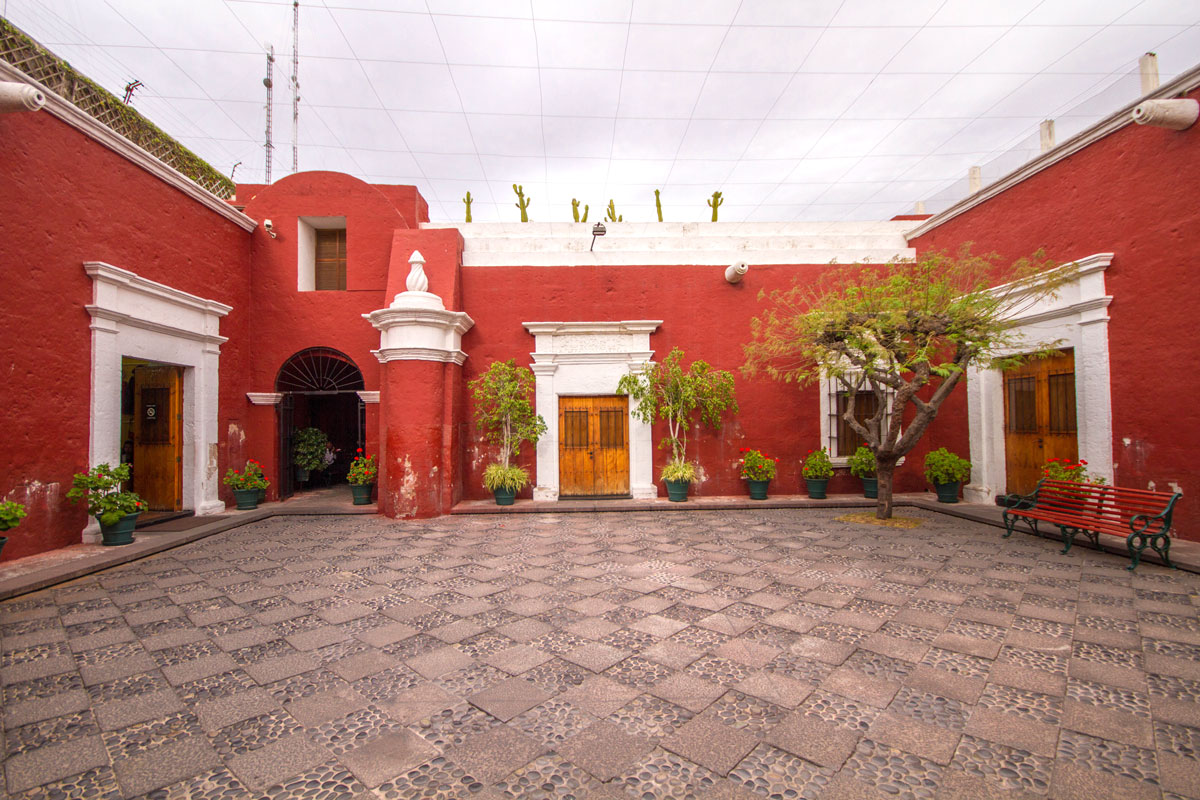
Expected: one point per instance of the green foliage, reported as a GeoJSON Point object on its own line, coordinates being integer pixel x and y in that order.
{"type": "Point", "coordinates": [667, 392]}
{"type": "Point", "coordinates": [658, 204]}
{"type": "Point", "coordinates": [308, 449]}
{"type": "Point", "coordinates": [251, 477]}
{"type": "Point", "coordinates": [612, 213]}
{"type": "Point", "coordinates": [575, 211]}
{"type": "Point", "coordinates": [942, 466]}
{"type": "Point", "coordinates": [817, 465]}
{"type": "Point", "coordinates": [467, 200]}
{"type": "Point", "coordinates": [503, 409]}
{"type": "Point", "coordinates": [362, 470]}
{"type": "Point", "coordinates": [862, 464]}
{"type": "Point", "coordinates": [715, 203]}
{"type": "Point", "coordinates": [522, 202]}
{"type": "Point", "coordinates": [757, 465]}
{"type": "Point", "coordinates": [11, 514]}
{"type": "Point", "coordinates": [1064, 469]}
{"type": "Point", "coordinates": [906, 331]}
{"type": "Point", "coordinates": [101, 488]}
{"type": "Point", "coordinates": [511, 478]}
{"type": "Point", "coordinates": [678, 472]}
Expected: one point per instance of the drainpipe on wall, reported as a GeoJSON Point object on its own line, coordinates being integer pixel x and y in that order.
{"type": "Point", "coordinates": [20, 97]}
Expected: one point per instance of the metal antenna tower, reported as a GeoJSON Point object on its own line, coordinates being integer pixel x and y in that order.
{"type": "Point", "coordinates": [269, 82]}
{"type": "Point", "coordinates": [295, 86]}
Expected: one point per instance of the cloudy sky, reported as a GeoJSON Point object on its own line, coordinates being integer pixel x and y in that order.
{"type": "Point", "coordinates": [795, 109]}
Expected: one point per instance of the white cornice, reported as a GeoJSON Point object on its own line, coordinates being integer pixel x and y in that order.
{"type": "Point", "coordinates": [107, 273]}
{"type": "Point", "coordinates": [264, 398]}
{"type": "Point", "coordinates": [64, 110]}
{"type": "Point", "coordinates": [1097, 262]}
{"type": "Point", "coordinates": [369, 397]}
{"type": "Point", "coordinates": [419, 354]}
{"type": "Point", "coordinates": [586, 328]}
{"type": "Point", "coordinates": [121, 318]}
{"type": "Point", "coordinates": [1114, 122]}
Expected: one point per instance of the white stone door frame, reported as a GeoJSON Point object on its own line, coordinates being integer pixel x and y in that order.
{"type": "Point", "coordinates": [1078, 318]}
{"type": "Point", "coordinates": [589, 358]}
{"type": "Point", "coordinates": [138, 318]}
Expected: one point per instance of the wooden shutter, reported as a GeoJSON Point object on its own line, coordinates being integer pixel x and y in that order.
{"type": "Point", "coordinates": [331, 259]}
{"type": "Point", "coordinates": [848, 439]}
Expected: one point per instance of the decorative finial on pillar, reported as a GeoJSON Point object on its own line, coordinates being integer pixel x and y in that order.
{"type": "Point", "coordinates": [417, 282]}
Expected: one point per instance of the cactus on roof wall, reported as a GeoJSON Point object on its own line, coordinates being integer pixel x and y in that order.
{"type": "Point", "coordinates": [658, 204]}
{"type": "Point", "coordinates": [575, 211]}
{"type": "Point", "coordinates": [716, 201]}
{"type": "Point", "coordinates": [522, 202]}
{"type": "Point", "coordinates": [467, 200]}
{"type": "Point", "coordinates": [612, 213]}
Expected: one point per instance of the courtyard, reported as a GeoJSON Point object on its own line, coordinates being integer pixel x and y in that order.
{"type": "Point", "coordinates": [720, 654]}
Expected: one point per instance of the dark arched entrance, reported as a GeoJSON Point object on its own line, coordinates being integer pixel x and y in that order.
{"type": "Point", "coordinates": [320, 388]}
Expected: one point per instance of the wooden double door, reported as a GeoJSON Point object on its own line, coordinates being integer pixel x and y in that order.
{"type": "Point", "coordinates": [1039, 418]}
{"type": "Point", "coordinates": [593, 446]}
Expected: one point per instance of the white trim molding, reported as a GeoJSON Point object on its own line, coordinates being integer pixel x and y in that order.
{"type": "Point", "coordinates": [589, 358]}
{"type": "Point", "coordinates": [1077, 318]}
{"type": "Point", "coordinates": [265, 398]}
{"type": "Point", "coordinates": [64, 110]}
{"type": "Point", "coordinates": [417, 327]}
{"type": "Point", "coordinates": [369, 397]}
{"type": "Point", "coordinates": [139, 318]}
{"type": "Point", "coordinates": [1183, 84]}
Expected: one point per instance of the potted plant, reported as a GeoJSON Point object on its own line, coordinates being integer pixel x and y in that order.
{"type": "Point", "coordinates": [669, 393]}
{"type": "Point", "coordinates": [817, 471]}
{"type": "Point", "coordinates": [11, 514]}
{"type": "Point", "coordinates": [308, 451]}
{"type": "Point", "coordinates": [505, 415]}
{"type": "Point", "coordinates": [862, 466]}
{"type": "Point", "coordinates": [116, 511]}
{"type": "Point", "coordinates": [758, 469]}
{"type": "Point", "coordinates": [255, 468]}
{"type": "Point", "coordinates": [246, 485]}
{"type": "Point", "coordinates": [362, 478]}
{"type": "Point", "coordinates": [946, 471]}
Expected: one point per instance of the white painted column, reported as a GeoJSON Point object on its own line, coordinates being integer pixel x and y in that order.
{"type": "Point", "coordinates": [546, 402]}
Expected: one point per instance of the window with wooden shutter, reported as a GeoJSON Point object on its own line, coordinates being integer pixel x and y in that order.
{"type": "Point", "coordinates": [848, 439]}
{"type": "Point", "coordinates": [330, 259]}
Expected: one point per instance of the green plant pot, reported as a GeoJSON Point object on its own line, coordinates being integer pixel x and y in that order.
{"type": "Point", "coordinates": [870, 487]}
{"type": "Point", "coordinates": [758, 489]}
{"type": "Point", "coordinates": [947, 492]}
{"type": "Point", "coordinates": [262, 495]}
{"type": "Point", "coordinates": [677, 490]}
{"type": "Point", "coordinates": [301, 474]}
{"type": "Point", "coordinates": [3, 541]}
{"type": "Point", "coordinates": [247, 499]}
{"type": "Point", "coordinates": [362, 493]}
{"type": "Point", "coordinates": [816, 487]}
{"type": "Point", "coordinates": [505, 497]}
{"type": "Point", "coordinates": [120, 532]}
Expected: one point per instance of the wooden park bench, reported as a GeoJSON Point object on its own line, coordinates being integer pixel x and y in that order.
{"type": "Point", "coordinates": [1143, 517]}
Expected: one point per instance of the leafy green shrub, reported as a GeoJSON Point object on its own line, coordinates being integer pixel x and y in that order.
{"type": "Point", "coordinates": [942, 466]}
{"type": "Point", "coordinates": [11, 514]}
{"type": "Point", "coordinates": [362, 470]}
{"type": "Point", "coordinates": [308, 449]}
{"type": "Point", "coordinates": [757, 465]}
{"type": "Point", "coordinates": [101, 487]}
{"type": "Point", "coordinates": [817, 465]}
{"type": "Point", "coordinates": [678, 472]}
{"type": "Point", "coordinates": [862, 463]}
{"type": "Point", "coordinates": [498, 476]}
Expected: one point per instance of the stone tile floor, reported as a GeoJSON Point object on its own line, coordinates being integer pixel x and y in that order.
{"type": "Point", "coordinates": [729, 654]}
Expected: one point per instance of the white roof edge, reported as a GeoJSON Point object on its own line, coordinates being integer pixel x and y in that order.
{"type": "Point", "coordinates": [66, 111]}
{"type": "Point", "coordinates": [1185, 82]}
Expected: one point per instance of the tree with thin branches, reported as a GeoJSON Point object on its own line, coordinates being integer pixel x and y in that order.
{"type": "Point", "coordinates": [906, 331]}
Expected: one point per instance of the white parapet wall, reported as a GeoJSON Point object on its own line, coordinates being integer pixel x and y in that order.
{"type": "Point", "coordinates": [566, 244]}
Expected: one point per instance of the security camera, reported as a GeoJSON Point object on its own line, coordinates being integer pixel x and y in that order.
{"type": "Point", "coordinates": [269, 228]}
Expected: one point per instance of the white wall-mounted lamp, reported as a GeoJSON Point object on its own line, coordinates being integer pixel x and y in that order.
{"type": "Point", "coordinates": [269, 227]}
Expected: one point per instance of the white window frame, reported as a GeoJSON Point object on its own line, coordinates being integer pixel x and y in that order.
{"type": "Point", "coordinates": [828, 430]}
{"type": "Point", "coordinates": [306, 248]}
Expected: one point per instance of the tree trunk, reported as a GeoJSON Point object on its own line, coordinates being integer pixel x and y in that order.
{"type": "Point", "coordinates": [884, 473]}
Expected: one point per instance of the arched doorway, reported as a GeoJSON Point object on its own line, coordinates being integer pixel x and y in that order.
{"type": "Point", "coordinates": [320, 388]}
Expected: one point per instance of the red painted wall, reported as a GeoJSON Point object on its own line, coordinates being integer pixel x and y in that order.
{"type": "Point", "coordinates": [1132, 193]}
{"type": "Point", "coordinates": [66, 200]}
{"type": "Point", "coordinates": [702, 314]}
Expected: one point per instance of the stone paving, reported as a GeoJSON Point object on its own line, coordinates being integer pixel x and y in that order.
{"type": "Point", "coordinates": [739, 654]}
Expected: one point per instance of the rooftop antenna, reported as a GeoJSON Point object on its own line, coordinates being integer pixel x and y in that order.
{"type": "Point", "coordinates": [130, 88]}
{"type": "Point", "coordinates": [269, 82]}
{"type": "Point", "coordinates": [295, 86]}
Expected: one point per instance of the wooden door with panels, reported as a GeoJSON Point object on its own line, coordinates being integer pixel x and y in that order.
{"type": "Point", "coordinates": [593, 446]}
{"type": "Point", "coordinates": [1039, 418]}
{"type": "Point", "coordinates": [158, 437]}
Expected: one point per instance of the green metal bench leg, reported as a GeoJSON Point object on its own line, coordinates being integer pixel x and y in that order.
{"type": "Point", "coordinates": [1068, 535]}
{"type": "Point", "coordinates": [1150, 540]}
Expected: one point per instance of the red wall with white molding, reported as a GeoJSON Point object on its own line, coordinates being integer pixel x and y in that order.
{"type": "Point", "coordinates": [1132, 193]}
{"type": "Point", "coordinates": [68, 199]}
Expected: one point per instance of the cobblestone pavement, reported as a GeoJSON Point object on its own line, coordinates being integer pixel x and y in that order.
{"type": "Point", "coordinates": [780, 654]}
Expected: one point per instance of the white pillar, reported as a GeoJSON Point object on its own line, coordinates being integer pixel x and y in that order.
{"type": "Point", "coordinates": [1046, 134]}
{"type": "Point", "coordinates": [1148, 69]}
{"type": "Point", "coordinates": [975, 179]}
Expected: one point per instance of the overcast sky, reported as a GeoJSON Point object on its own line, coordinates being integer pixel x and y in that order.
{"type": "Point", "coordinates": [795, 109]}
